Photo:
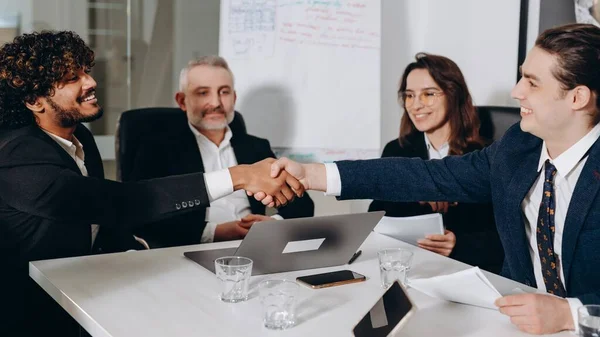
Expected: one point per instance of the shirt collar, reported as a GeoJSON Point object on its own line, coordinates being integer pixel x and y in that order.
{"type": "Point", "coordinates": [203, 140]}
{"type": "Point", "coordinates": [569, 159]}
{"type": "Point", "coordinates": [74, 148]}
{"type": "Point", "coordinates": [430, 146]}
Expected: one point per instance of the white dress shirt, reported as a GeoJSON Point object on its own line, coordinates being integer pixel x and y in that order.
{"type": "Point", "coordinates": [568, 165]}
{"type": "Point", "coordinates": [435, 153]}
{"type": "Point", "coordinates": [232, 207]}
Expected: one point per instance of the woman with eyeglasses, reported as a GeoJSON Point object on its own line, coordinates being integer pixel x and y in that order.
{"type": "Point", "coordinates": [440, 120]}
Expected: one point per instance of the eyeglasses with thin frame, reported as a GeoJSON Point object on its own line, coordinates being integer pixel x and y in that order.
{"type": "Point", "coordinates": [427, 98]}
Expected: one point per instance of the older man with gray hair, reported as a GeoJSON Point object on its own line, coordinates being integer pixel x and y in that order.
{"type": "Point", "coordinates": [206, 144]}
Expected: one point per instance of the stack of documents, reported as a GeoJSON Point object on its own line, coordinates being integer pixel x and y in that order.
{"type": "Point", "coordinates": [411, 228]}
{"type": "Point", "coordinates": [468, 286]}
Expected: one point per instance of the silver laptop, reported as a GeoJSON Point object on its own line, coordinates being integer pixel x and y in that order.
{"type": "Point", "coordinates": [295, 244]}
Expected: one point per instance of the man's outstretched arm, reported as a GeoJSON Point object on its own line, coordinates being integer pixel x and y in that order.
{"type": "Point", "coordinates": [455, 178]}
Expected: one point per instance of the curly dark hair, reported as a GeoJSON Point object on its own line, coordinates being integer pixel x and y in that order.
{"type": "Point", "coordinates": [32, 65]}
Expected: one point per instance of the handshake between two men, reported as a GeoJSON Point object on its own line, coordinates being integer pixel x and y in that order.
{"type": "Point", "coordinates": [274, 187]}
{"type": "Point", "coordinates": [295, 177]}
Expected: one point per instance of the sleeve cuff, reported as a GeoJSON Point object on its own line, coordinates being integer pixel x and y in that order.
{"type": "Point", "coordinates": [575, 304]}
{"type": "Point", "coordinates": [218, 184]}
{"type": "Point", "coordinates": [334, 182]}
{"type": "Point", "coordinates": [208, 235]}
{"type": "Point", "coordinates": [277, 217]}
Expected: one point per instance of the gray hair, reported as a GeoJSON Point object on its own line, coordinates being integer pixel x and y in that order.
{"type": "Point", "coordinates": [210, 60]}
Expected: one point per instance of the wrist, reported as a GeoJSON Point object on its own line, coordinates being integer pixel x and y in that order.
{"type": "Point", "coordinates": [239, 177]}
{"type": "Point", "coordinates": [220, 233]}
{"type": "Point", "coordinates": [316, 177]}
{"type": "Point", "coordinates": [568, 324]}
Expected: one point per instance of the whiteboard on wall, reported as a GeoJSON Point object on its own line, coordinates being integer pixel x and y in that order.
{"type": "Point", "coordinates": [307, 74]}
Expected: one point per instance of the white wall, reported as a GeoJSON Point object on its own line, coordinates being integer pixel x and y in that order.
{"type": "Point", "coordinates": [23, 8]}
{"type": "Point", "coordinates": [196, 33]}
{"type": "Point", "coordinates": [61, 15]}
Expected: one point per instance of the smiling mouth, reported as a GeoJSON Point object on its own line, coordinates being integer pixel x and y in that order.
{"type": "Point", "coordinates": [88, 97]}
{"type": "Point", "coordinates": [525, 111]}
{"type": "Point", "coordinates": [213, 112]}
{"type": "Point", "coordinates": [421, 115]}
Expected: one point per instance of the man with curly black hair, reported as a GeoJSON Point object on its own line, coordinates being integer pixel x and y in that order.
{"type": "Point", "coordinates": [54, 201]}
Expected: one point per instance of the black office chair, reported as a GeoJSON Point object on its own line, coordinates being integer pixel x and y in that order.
{"type": "Point", "coordinates": [134, 126]}
{"type": "Point", "coordinates": [495, 120]}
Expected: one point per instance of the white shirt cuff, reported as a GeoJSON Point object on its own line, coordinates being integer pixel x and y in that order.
{"type": "Point", "coordinates": [575, 304]}
{"type": "Point", "coordinates": [208, 235]}
{"type": "Point", "coordinates": [218, 184]}
{"type": "Point", "coordinates": [277, 217]}
{"type": "Point", "coordinates": [334, 182]}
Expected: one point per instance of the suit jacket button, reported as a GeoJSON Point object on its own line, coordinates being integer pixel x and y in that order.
{"type": "Point", "coordinates": [184, 204]}
{"type": "Point", "coordinates": [191, 203]}
{"type": "Point", "coordinates": [178, 206]}
{"type": "Point", "coordinates": [197, 202]}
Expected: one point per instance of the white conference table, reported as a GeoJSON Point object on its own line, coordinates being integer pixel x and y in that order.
{"type": "Point", "coordinates": [161, 293]}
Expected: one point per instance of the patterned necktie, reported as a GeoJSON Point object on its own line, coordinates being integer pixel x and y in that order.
{"type": "Point", "coordinates": [545, 235]}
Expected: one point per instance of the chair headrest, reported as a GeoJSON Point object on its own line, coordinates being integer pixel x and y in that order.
{"type": "Point", "coordinates": [134, 126]}
{"type": "Point", "coordinates": [495, 120]}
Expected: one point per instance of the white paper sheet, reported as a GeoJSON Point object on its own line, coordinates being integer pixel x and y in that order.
{"type": "Point", "coordinates": [469, 286]}
{"type": "Point", "coordinates": [412, 228]}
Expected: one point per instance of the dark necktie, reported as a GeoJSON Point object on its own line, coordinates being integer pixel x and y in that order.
{"type": "Point", "coordinates": [545, 235]}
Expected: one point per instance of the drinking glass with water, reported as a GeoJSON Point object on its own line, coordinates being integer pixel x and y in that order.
{"type": "Point", "coordinates": [589, 320]}
{"type": "Point", "coordinates": [278, 298]}
{"type": "Point", "coordinates": [394, 264]}
{"type": "Point", "coordinates": [234, 273]}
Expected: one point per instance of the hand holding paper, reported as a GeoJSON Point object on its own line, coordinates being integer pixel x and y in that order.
{"type": "Point", "coordinates": [537, 313]}
{"type": "Point", "coordinates": [412, 228]}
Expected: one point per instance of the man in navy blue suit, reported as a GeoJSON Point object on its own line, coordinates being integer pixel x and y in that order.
{"type": "Point", "coordinates": [542, 177]}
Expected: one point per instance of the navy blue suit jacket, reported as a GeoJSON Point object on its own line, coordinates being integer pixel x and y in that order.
{"type": "Point", "coordinates": [502, 173]}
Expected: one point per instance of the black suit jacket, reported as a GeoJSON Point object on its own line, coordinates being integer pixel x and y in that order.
{"type": "Point", "coordinates": [477, 240]}
{"type": "Point", "coordinates": [47, 207]}
{"type": "Point", "coordinates": [175, 151]}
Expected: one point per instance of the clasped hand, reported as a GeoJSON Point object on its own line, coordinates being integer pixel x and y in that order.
{"type": "Point", "coordinates": [258, 178]}
{"type": "Point", "coordinates": [289, 170]}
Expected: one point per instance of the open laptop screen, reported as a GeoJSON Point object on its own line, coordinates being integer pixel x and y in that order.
{"type": "Point", "coordinates": [388, 315]}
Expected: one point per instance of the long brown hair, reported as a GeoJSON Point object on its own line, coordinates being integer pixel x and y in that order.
{"type": "Point", "coordinates": [461, 114]}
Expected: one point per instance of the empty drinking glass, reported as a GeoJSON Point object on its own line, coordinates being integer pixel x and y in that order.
{"type": "Point", "coordinates": [278, 298]}
{"type": "Point", "coordinates": [234, 273]}
{"type": "Point", "coordinates": [589, 320]}
{"type": "Point", "coordinates": [394, 264]}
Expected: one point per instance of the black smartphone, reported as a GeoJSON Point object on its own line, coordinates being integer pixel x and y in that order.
{"type": "Point", "coordinates": [388, 315]}
{"type": "Point", "coordinates": [334, 278]}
